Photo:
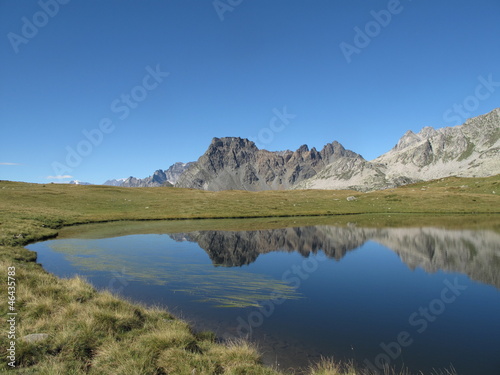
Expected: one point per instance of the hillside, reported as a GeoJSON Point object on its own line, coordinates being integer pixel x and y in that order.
{"type": "Point", "coordinates": [468, 150]}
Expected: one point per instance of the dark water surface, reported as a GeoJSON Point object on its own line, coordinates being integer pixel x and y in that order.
{"type": "Point", "coordinates": [425, 298]}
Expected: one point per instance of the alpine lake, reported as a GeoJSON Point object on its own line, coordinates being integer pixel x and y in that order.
{"type": "Point", "coordinates": [416, 297]}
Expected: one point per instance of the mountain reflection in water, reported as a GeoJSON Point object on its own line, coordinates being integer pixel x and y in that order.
{"type": "Point", "coordinates": [470, 252]}
{"type": "Point", "coordinates": [343, 291]}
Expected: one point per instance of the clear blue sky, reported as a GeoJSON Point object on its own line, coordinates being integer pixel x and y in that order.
{"type": "Point", "coordinates": [230, 69]}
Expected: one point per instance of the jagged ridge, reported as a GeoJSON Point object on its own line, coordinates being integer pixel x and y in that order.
{"type": "Point", "coordinates": [160, 177]}
{"type": "Point", "coordinates": [236, 163]}
{"type": "Point", "coordinates": [468, 150]}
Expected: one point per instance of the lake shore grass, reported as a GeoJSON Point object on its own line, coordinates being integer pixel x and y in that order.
{"type": "Point", "coordinates": [92, 332]}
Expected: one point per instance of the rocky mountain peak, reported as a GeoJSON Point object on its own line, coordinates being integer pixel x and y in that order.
{"type": "Point", "coordinates": [175, 170]}
{"type": "Point", "coordinates": [335, 150]}
{"type": "Point", "coordinates": [232, 143]}
{"type": "Point", "coordinates": [302, 149]}
{"type": "Point", "coordinates": [236, 163]}
{"type": "Point", "coordinates": [408, 139]}
{"type": "Point", "coordinates": [469, 150]}
{"type": "Point", "coordinates": [159, 178]}
{"type": "Point", "coordinates": [427, 132]}
{"type": "Point", "coordinates": [77, 182]}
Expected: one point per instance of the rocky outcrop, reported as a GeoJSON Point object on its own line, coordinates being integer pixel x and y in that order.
{"type": "Point", "coordinates": [115, 182]}
{"type": "Point", "coordinates": [159, 178]}
{"type": "Point", "coordinates": [175, 171]}
{"type": "Point", "coordinates": [353, 174]}
{"type": "Point", "coordinates": [468, 150]}
{"type": "Point", "coordinates": [236, 163]}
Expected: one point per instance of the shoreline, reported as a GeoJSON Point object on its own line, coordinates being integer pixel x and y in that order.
{"type": "Point", "coordinates": [85, 327]}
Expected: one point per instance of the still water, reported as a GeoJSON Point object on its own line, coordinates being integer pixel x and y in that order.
{"type": "Point", "coordinates": [423, 298]}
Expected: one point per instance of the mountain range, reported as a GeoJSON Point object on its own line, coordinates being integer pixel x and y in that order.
{"type": "Point", "coordinates": [76, 182]}
{"type": "Point", "coordinates": [468, 150]}
{"type": "Point", "coordinates": [168, 177]}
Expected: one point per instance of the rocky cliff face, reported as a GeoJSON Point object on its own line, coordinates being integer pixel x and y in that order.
{"type": "Point", "coordinates": [159, 178]}
{"type": "Point", "coordinates": [175, 170]}
{"type": "Point", "coordinates": [236, 163]}
{"type": "Point", "coordinates": [468, 150]}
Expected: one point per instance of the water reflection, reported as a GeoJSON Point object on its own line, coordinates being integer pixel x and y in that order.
{"type": "Point", "coordinates": [313, 291]}
{"type": "Point", "coordinates": [470, 252]}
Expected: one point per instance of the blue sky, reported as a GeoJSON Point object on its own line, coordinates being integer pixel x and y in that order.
{"type": "Point", "coordinates": [151, 83]}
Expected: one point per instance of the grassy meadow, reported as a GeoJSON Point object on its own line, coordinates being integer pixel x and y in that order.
{"type": "Point", "coordinates": [94, 332]}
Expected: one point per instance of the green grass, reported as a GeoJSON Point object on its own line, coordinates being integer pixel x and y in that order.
{"type": "Point", "coordinates": [97, 333]}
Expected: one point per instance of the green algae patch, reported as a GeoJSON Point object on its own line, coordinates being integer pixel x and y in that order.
{"type": "Point", "coordinates": [176, 265]}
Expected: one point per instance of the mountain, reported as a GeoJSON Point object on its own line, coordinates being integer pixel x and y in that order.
{"type": "Point", "coordinates": [468, 150]}
{"type": "Point", "coordinates": [160, 177]}
{"type": "Point", "coordinates": [76, 182]}
{"type": "Point", "coordinates": [361, 175]}
{"type": "Point", "coordinates": [174, 171]}
{"type": "Point", "coordinates": [115, 182]}
{"type": "Point", "coordinates": [236, 163]}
